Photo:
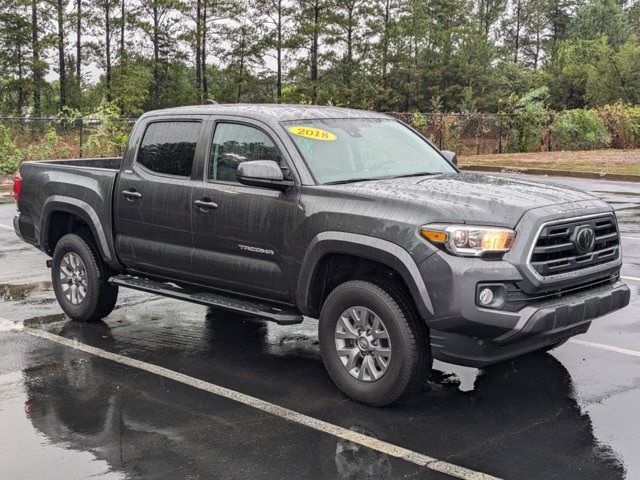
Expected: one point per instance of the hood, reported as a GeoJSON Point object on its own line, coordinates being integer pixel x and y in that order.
{"type": "Point", "coordinates": [471, 197]}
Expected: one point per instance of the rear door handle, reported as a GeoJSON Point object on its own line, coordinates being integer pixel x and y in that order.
{"type": "Point", "coordinates": [205, 204]}
{"type": "Point", "coordinates": [132, 194]}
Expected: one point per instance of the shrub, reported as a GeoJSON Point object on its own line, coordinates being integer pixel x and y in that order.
{"type": "Point", "coordinates": [10, 155]}
{"type": "Point", "coordinates": [110, 135]}
{"type": "Point", "coordinates": [419, 121]}
{"type": "Point", "coordinates": [621, 123]}
{"type": "Point", "coordinates": [634, 113]}
{"type": "Point", "coordinates": [452, 128]}
{"type": "Point", "coordinates": [526, 119]}
{"type": "Point", "coordinates": [424, 124]}
{"type": "Point", "coordinates": [49, 146]}
{"type": "Point", "coordinates": [580, 129]}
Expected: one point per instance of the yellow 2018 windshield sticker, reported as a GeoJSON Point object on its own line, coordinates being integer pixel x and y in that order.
{"type": "Point", "coordinates": [313, 133]}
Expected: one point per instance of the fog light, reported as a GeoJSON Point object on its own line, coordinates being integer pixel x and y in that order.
{"type": "Point", "coordinates": [486, 296]}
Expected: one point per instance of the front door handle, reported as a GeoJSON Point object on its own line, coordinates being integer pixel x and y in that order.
{"type": "Point", "coordinates": [132, 194]}
{"type": "Point", "coordinates": [205, 204]}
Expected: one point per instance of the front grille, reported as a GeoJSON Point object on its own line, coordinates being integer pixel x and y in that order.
{"type": "Point", "coordinates": [555, 252]}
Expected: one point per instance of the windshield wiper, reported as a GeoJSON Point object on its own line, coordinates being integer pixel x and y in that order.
{"type": "Point", "coordinates": [387, 177]}
{"type": "Point", "coordinates": [419, 174]}
{"type": "Point", "coordinates": [353, 180]}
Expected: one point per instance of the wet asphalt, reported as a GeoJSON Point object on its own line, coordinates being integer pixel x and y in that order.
{"type": "Point", "coordinates": [64, 413]}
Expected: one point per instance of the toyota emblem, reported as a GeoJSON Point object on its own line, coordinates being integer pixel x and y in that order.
{"type": "Point", "coordinates": [585, 239]}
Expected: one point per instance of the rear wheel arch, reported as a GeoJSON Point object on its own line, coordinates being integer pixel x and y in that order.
{"type": "Point", "coordinates": [60, 223]}
{"type": "Point", "coordinates": [336, 257]}
{"type": "Point", "coordinates": [62, 217]}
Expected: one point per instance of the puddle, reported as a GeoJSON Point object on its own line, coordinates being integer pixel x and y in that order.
{"type": "Point", "coordinates": [13, 293]}
{"type": "Point", "coordinates": [464, 378]}
{"type": "Point", "coordinates": [46, 320]}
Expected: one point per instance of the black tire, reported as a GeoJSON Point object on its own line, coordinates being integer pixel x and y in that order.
{"type": "Point", "coordinates": [410, 361]}
{"type": "Point", "coordinates": [100, 297]}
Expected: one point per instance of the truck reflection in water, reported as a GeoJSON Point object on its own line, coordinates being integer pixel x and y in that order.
{"type": "Point", "coordinates": [519, 421]}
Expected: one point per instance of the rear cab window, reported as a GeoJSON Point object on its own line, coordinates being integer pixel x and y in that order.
{"type": "Point", "coordinates": [168, 147]}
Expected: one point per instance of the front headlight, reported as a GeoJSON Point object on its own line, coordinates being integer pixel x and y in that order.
{"type": "Point", "coordinates": [470, 240]}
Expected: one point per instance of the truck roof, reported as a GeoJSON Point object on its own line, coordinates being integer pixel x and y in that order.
{"type": "Point", "coordinates": [269, 112]}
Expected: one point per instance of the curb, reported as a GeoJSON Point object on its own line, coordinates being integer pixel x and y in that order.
{"type": "Point", "coordinates": [620, 177]}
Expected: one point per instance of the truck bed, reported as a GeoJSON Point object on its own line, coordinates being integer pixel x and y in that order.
{"type": "Point", "coordinates": [83, 187]}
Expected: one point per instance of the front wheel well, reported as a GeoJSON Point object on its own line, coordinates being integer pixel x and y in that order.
{"type": "Point", "coordinates": [61, 223]}
{"type": "Point", "coordinates": [333, 269]}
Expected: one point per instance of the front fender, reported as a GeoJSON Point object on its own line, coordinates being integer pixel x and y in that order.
{"type": "Point", "coordinates": [370, 248]}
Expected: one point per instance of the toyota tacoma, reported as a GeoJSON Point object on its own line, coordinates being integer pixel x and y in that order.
{"type": "Point", "coordinates": [345, 216]}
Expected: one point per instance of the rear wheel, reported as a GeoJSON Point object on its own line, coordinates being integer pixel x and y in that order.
{"type": "Point", "coordinates": [80, 280]}
{"type": "Point", "coordinates": [373, 344]}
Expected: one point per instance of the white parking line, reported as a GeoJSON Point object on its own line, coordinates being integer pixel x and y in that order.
{"type": "Point", "coordinates": [635, 279]}
{"type": "Point", "coordinates": [282, 412]}
{"type": "Point", "coordinates": [6, 226]}
{"type": "Point", "coordinates": [624, 237]}
{"type": "Point", "coordinates": [603, 346]}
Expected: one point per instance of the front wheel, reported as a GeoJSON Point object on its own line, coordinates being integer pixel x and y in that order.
{"type": "Point", "coordinates": [373, 344]}
{"type": "Point", "coordinates": [80, 280]}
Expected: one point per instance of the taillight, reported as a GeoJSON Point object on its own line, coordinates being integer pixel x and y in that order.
{"type": "Point", "coordinates": [17, 186]}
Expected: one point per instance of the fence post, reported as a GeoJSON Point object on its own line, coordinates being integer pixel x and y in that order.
{"type": "Point", "coordinates": [500, 132]}
{"type": "Point", "coordinates": [81, 139]}
{"type": "Point", "coordinates": [549, 122]}
{"type": "Point", "coordinates": [478, 130]}
{"type": "Point", "coordinates": [440, 123]}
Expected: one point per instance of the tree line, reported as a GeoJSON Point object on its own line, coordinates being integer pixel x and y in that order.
{"type": "Point", "coordinates": [388, 55]}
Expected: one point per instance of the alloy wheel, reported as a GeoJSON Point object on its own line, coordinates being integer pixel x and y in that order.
{"type": "Point", "coordinates": [363, 344]}
{"type": "Point", "coordinates": [73, 278]}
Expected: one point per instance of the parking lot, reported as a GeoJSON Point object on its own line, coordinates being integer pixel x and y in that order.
{"type": "Point", "coordinates": [165, 389]}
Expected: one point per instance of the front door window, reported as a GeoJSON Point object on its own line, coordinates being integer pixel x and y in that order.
{"type": "Point", "coordinates": [234, 143]}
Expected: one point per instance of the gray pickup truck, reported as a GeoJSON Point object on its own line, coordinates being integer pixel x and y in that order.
{"type": "Point", "coordinates": [350, 217]}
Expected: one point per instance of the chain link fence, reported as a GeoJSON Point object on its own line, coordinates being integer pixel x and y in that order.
{"type": "Point", "coordinates": [51, 137]}
{"type": "Point", "coordinates": [470, 133]}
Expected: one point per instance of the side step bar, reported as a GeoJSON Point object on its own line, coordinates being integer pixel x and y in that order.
{"type": "Point", "coordinates": [266, 311]}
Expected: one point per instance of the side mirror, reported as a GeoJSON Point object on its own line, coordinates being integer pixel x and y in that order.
{"type": "Point", "coordinates": [262, 173]}
{"type": "Point", "coordinates": [451, 156]}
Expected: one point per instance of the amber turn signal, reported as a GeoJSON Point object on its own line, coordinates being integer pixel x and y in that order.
{"type": "Point", "coordinates": [434, 236]}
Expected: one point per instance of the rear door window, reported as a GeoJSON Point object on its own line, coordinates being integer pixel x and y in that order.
{"type": "Point", "coordinates": [168, 148]}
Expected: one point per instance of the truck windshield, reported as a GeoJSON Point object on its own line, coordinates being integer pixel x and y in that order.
{"type": "Point", "coordinates": [350, 150]}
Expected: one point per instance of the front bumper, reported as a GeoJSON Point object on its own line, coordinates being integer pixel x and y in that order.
{"type": "Point", "coordinates": [540, 325]}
